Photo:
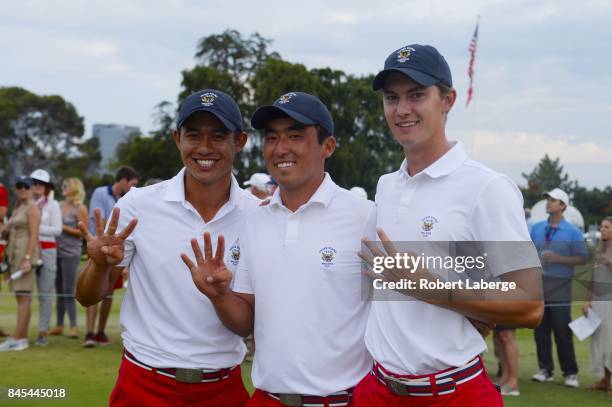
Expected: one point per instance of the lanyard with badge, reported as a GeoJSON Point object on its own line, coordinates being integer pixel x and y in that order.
{"type": "Point", "coordinates": [549, 235]}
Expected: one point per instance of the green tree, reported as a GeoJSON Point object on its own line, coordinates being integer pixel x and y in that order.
{"type": "Point", "coordinates": [155, 156]}
{"type": "Point", "coordinates": [547, 175]}
{"type": "Point", "coordinates": [41, 131]}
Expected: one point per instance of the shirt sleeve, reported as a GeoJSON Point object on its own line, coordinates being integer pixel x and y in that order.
{"type": "Point", "coordinates": [127, 212]}
{"type": "Point", "coordinates": [3, 196]}
{"type": "Point", "coordinates": [242, 282]}
{"type": "Point", "coordinates": [499, 224]}
{"type": "Point", "coordinates": [95, 202]}
{"type": "Point", "coordinates": [54, 226]}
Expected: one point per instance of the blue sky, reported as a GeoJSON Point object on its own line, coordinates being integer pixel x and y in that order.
{"type": "Point", "coordinates": [542, 72]}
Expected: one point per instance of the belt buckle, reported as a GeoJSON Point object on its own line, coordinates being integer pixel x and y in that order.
{"type": "Point", "coordinates": [397, 387]}
{"type": "Point", "coordinates": [188, 376]}
{"type": "Point", "coordinates": [291, 400]}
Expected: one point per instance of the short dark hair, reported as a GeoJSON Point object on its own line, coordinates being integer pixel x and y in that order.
{"type": "Point", "coordinates": [444, 90]}
{"type": "Point", "coordinates": [322, 134]}
{"type": "Point", "coordinates": [126, 172]}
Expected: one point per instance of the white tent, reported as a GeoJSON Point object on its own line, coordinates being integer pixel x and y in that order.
{"type": "Point", "coordinates": [571, 214]}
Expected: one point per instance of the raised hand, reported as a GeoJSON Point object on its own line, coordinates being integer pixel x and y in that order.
{"type": "Point", "coordinates": [107, 247]}
{"type": "Point", "coordinates": [209, 273]}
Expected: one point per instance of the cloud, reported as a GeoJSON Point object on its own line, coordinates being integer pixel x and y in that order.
{"type": "Point", "coordinates": [520, 147]}
{"type": "Point", "coordinates": [92, 48]}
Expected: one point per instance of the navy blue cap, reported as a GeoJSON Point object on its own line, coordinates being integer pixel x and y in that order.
{"type": "Point", "coordinates": [23, 180]}
{"type": "Point", "coordinates": [421, 63]}
{"type": "Point", "coordinates": [214, 101]}
{"type": "Point", "coordinates": [300, 106]}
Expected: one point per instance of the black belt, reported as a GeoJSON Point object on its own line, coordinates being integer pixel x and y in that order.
{"type": "Point", "coordinates": [183, 375]}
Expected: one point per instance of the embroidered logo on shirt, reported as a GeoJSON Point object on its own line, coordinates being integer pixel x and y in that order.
{"type": "Point", "coordinates": [235, 254]}
{"type": "Point", "coordinates": [328, 254]}
{"type": "Point", "coordinates": [428, 225]}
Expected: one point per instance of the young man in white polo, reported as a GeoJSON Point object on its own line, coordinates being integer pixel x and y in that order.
{"type": "Point", "coordinates": [177, 352]}
{"type": "Point", "coordinates": [298, 284]}
{"type": "Point", "coordinates": [425, 349]}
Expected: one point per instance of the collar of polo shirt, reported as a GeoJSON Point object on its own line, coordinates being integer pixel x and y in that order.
{"type": "Point", "coordinates": [176, 190]}
{"type": "Point", "coordinates": [448, 163]}
{"type": "Point", "coordinates": [323, 194]}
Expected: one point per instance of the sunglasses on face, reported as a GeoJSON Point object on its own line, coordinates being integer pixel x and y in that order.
{"type": "Point", "coordinates": [22, 186]}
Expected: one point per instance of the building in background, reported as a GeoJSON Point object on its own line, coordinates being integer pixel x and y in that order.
{"type": "Point", "coordinates": [110, 136]}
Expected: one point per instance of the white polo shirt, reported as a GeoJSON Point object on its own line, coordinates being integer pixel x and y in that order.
{"type": "Point", "coordinates": [454, 199]}
{"type": "Point", "coordinates": [166, 320]}
{"type": "Point", "coordinates": [306, 276]}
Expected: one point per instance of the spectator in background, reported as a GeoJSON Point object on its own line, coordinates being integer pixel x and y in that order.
{"type": "Point", "coordinates": [528, 219]}
{"type": "Point", "coordinates": [69, 245]}
{"type": "Point", "coordinates": [259, 185]}
{"type": "Point", "coordinates": [22, 251]}
{"type": "Point", "coordinates": [3, 210]}
{"type": "Point", "coordinates": [599, 299]}
{"type": "Point", "coordinates": [561, 248]}
{"type": "Point", "coordinates": [50, 227]}
{"type": "Point", "coordinates": [105, 197]}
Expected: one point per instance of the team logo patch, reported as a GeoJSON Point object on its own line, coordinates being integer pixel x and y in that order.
{"type": "Point", "coordinates": [428, 223]}
{"type": "Point", "coordinates": [208, 98]}
{"type": "Point", "coordinates": [235, 254]}
{"type": "Point", "coordinates": [328, 254]}
{"type": "Point", "coordinates": [403, 54]}
{"type": "Point", "coordinates": [286, 98]}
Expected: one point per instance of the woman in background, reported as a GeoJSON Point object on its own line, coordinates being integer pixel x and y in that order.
{"type": "Point", "coordinates": [69, 245]}
{"type": "Point", "coordinates": [599, 299]}
{"type": "Point", "coordinates": [22, 252]}
{"type": "Point", "coordinates": [50, 228]}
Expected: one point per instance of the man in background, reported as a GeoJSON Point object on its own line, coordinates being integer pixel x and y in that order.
{"type": "Point", "coordinates": [105, 197]}
{"type": "Point", "coordinates": [561, 248]}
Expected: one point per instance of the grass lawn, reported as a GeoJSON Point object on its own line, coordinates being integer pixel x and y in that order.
{"type": "Point", "coordinates": [89, 374]}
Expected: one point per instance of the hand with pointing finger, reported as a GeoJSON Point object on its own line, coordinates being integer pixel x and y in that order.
{"type": "Point", "coordinates": [209, 273]}
{"type": "Point", "coordinates": [107, 247]}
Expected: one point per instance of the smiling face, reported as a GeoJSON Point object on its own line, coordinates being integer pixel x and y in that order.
{"type": "Point", "coordinates": [415, 114]}
{"type": "Point", "coordinates": [294, 157]}
{"type": "Point", "coordinates": [207, 147]}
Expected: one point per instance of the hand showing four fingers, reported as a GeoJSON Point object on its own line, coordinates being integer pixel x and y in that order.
{"type": "Point", "coordinates": [107, 247]}
{"type": "Point", "coordinates": [209, 272]}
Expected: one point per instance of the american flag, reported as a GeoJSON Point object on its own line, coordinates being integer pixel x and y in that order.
{"type": "Point", "coordinates": [473, 44]}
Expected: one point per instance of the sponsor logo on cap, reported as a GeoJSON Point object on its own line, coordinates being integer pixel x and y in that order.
{"type": "Point", "coordinates": [403, 54]}
{"type": "Point", "coordinates": [328, 254]}
{"type": "Point", "coordinates": [286, 98]}
{"type": "Point", "coordinates": [208, 98]}
{"type": "Point", "coordinates": [428, 225]}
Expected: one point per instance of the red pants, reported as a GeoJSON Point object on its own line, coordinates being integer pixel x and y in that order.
{"type": "Point", "coordinates": [136, 386]}
{"type": "Point", "coordinates": [261, 399]}
{"type": "Point", "coordinates": [477, 392]}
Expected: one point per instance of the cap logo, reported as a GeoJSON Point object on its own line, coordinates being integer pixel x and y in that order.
{"type": "Point", "coordinates": [286, 98]}
{"type": "Point", "coordinates": [403, 54]}
{"type": "Point", "coordinates": [208, 98]}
